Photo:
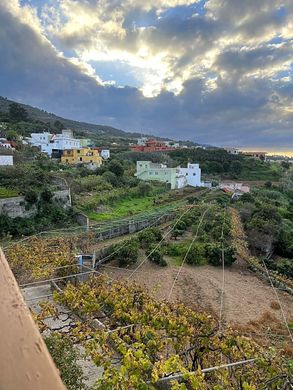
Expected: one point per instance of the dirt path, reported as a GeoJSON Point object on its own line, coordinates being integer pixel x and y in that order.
{"type": "Point", "coordinates": [246, 297]}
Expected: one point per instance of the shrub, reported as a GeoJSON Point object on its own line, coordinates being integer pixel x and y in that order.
{"type": "Point", "coordinates": [214, 254]}
{"type": "Point", "coordinates": [156, 256]}
{"type": "Point", "coordinates": [149, 236]}
{"type": "Point", "coordinates": [65, 357]}
{"type": "Point", "coordinates": [144, 188]}
{"type": "Point", "coordinates": [93, 183]}
{"type": "Point", "coordinates": [128, 254]}
{"type": "Point", "coordinates": [196, 254]}
{"type": "Point", "coordinates": [111, 178]}
{"type": "Point", "coordinates": [31, 197]}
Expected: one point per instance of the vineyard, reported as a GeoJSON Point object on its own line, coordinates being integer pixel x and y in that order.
{"type": "Point", "coordinates": [141, 342]}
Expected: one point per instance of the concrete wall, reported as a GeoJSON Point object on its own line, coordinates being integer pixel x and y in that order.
{"type": "Point", "coordinates": [17, 207]}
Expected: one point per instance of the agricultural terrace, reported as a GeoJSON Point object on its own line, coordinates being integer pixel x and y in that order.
{"type": "Point", "coordinates": [147, 334]}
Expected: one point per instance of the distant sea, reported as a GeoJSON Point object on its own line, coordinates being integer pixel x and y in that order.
{"type": "Point", "coordinates": [288, 153]}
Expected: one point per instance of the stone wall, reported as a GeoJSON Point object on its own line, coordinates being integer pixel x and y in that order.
{"type": "Point", "coordinates": [17, 206]}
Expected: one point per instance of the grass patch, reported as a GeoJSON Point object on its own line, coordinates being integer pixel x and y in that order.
{"type": "Point", "coordinates": [8, 193]}
{"type": "Point", "coordinates": [129, 206]}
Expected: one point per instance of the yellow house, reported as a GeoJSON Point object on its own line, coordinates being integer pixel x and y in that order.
{"type": "Point", "coordinates": [82, 156]}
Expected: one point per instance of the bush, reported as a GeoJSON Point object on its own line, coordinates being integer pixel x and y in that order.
{"type": "Point", "coordinates": [149, 236]}
{"type": "Point", "coordinates": [196, 254]}
{"type": "Point", "coordinates": [31, 197]}
{"type": "Point", "coordinates": [156, 256]}
{"type": "Point", "coordinates": [111, 178]}
{"type": "Point", "coordinates": [128, 254]}
{"type": "Point", "coordinates": [214, 254]}
{"type": "Point", "coordinates": [144, 188]}
{"type": "Point", "coordinates": [93, 183]}
{"type": "Point", "coordinates": [65, 357]}
{"type": "Point", "coordinates": [116, 168]}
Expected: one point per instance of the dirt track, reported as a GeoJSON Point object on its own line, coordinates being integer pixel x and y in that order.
{"type": "Point", "coordinates": [246, 297]}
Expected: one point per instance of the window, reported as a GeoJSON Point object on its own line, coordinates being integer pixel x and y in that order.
{"type": "Point", "coordinates": [186, 174]}
{"type": "Point", "coordinates": [194, 174]}
{"type": "Point", "coordinates": [78, 151]}
{"type": "Point", "coordinates": [156, 173]}
{"type": "Point", "coordinates": [80, 158]}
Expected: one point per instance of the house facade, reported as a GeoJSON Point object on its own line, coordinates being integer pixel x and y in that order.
{"type": "Point", "coordinates": [151, 145]}
{"type": "Point", "coordinates": [176, 177]}
{"type": "Point", "coordinates": [54, 144]}
{"type": "Point", "coordinates": [6, 160]}
{"type": "Point", "coordinates": [82, 156]}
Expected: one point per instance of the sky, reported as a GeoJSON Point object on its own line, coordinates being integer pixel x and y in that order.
{"type": "Point", "coordinates": [211, 71]}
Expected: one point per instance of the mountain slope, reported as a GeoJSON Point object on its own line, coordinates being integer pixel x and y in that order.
{"type": "Point", "coordinates": [44, 116]}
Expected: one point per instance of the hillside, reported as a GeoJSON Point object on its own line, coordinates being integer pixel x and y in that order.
{"type": "Point", "coordinates": [44, 116]}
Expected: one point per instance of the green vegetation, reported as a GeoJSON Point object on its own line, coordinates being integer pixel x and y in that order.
{"type": "Point", "coordinates": [8, 192]}
{"type": "Point", "coordinates": [35, 182]}
{"type": "Point", "coordinates": [267, 214]}
{"type": "Point", "coordinates": [66, 357]}
{"type": "Point", "coordinates": [126, 254]}
{"type": "Point", "coordinates": [208, 246]}
{"type": "Point", "coordinates": [219, 163]}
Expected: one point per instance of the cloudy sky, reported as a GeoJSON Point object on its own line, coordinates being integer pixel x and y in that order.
{"type": "Point", "coordinates": [212, 71]}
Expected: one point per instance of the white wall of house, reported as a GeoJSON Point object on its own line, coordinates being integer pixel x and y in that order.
{"type": "Point", "coordinates": [177, 177]}
{"type": "Point", "coordinates": [192, 174]}
{"type": "Point", "coordinates": [48, 142]}
{"type": "Point", "coordinates": [38, 139]}
{"type": "Point", "coordinates": [105, 153]}
{"type": "Point", "coordinates": [6, 160]}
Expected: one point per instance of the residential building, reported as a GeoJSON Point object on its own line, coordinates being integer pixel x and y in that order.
{"type": "Point", "coordinates": [151, 145]}
{"type": "Point", "coordinates": [176, 177]}
{"type": "Point", "coordinates": [54, 144]}
{"type": "Point", "coordinates": [11, 145]}
{"type": "Point", "coordinates": [6, 160]}
{"type": "Point", "coordinates": [232, 150]}
{"type": "Point", "coordinates": [86, 142]}
{"type": "Point", "coordinates": [82, 156]}
{"type": "Point", "coordinates": [105, 153]}
{"type": "Point", "coordinates": [234, 187]}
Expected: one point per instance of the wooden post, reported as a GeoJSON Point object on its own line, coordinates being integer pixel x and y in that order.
{"type": "Point", "coordinates": [25, 361]}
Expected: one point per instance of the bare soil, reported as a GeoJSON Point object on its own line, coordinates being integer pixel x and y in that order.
{"type": "Point", "coordinates": [246, 297]}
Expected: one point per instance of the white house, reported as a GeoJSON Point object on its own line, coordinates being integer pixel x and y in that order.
{"type": "Point", "coordinates": [54, 142]}
{"type": "Point", "coordinates": [6, 160]}
{"type": "Point", "coordinates": [192, 175]}
{"type": "Point", "coordinates": [233, 151]}
{"type": "Point", "coordinates": [105, 154]}
{"type": "Point", "coordinates": [176, 177]}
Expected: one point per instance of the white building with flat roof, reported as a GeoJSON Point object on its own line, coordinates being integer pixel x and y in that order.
{"type": "Point", "coordinates": [6, 160]}
{"type": "Point", "coordinates": [105, 154]}
{"type": "Point", "coordinates": [176, 177]}
{"type": "Point", "coordinates": [54, 142]}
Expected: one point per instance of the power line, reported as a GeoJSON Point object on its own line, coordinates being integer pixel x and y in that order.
{"type": "Point", "coordinates": [278, 299]}
{"type": "Point", "coordinates": [56, 279]}
{"type": "Point", "coordinates": [188, 250]}
{"type": "Point", "coordinates": [223, 275]}
{"type": "Point", "coordinates": [126, 242]}
{"type": "Point", "coordinates": [163, 238]}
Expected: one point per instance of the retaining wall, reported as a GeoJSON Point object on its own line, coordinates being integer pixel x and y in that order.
{"type": "Point", "coordinates": [17, 206]}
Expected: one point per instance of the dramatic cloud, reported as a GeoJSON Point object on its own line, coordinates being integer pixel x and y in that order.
{"type": "Point", "coordinates": [217, 71]}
